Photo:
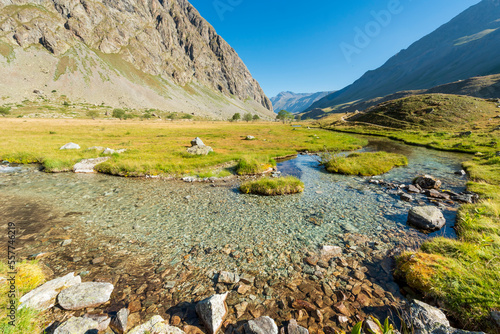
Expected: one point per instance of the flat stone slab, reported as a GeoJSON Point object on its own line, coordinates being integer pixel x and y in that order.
{"type": "Point", "coordinates": [88, 165]}
{"type": "Point", "coordinates": [78, 326]}
{"type": "Point", "coordinates": [44, 297]}
{"type": "Point", "coordinates": [85, 295]}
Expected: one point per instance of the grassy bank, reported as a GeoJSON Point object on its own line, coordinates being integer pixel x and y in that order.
{"type": "Point", "coordinates": [273, 187]}
{"type": "Point", "coordinates": [365, 164]}
{"type": "Point", "coordinates": [29, 276]}
{"type": "Point", "coordinates": [463, 273]}
{"type": "Point", "coordinates": [157, 147]}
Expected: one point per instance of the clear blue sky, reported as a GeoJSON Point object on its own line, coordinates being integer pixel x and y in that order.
{"type": "Point", "coordinates": [295, 45]}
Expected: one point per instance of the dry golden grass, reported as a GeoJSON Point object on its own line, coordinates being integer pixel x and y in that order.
{"type": "Point", "coordinates": [156, 147]}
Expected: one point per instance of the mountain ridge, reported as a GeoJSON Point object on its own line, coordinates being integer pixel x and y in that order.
{"type": "Point", "coordinates": [466, 46]}
{"type": "Point", "coordinates": [295, 102]}
{"type": "Point", "coordinates": [164, 49]}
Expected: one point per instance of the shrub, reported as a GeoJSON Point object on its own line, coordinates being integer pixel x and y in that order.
{"type": "Point", "coordinates": [273, 187]}
{"type": "Point", "coordinates": [251, 165]}
{"type": "Point", "coordinates": [365, 164]}
{"type": "Point", "coordinates": [247, 117]}
{"type": "Point", "coordinates": [5, 111]}
{"type": "Point", "coordinates": [118, 113]}
{"type": "Point", "coordinates": [256, 117]}
{"type": "Point", "coordinates": [92, 114]}
{"type": "Point", "coordinates": [236, 116]}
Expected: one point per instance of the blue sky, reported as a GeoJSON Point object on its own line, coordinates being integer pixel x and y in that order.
{"type": "Point", "coordinates": [304, 46]}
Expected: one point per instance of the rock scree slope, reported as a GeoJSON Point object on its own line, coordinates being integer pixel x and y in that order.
{"type": "Point", "coordinates": [137, 54]}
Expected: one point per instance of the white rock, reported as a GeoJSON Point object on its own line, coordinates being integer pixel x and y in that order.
{"type": "Point", "coordinates": [212, 312]}
{"type": "Point", "coordinates": [70, 146]}
{"type": "Point", "coordinates": [78, 326]}
{"type": "Point", "coordinates": [108, 151]}
{"type": "Point", "coordinates": [262, 325]}
{"type": "Point", "coordinates": [148, 326]}
{"type": "Point", "coordinates": [330, 251]}
{"type": "Point", "coordinates": [44, 297]}
{"type": "Point", "coordinates": [85, 295]}
{"type": "Point", "coordinates": [88, 165]}
{"type": "Point", "coordinates": [163, 328]}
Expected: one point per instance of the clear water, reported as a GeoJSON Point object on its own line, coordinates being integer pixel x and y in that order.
{"type": "Point", "coordinates": [167, 219]}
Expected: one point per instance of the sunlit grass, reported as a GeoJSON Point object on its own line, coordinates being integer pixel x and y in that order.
{"type": "Point", "coordinates": [273, 186]}
{"type": "Point", "coordinates": [157, 147]}
{"type": "Point", "coordinates": [365, 164]}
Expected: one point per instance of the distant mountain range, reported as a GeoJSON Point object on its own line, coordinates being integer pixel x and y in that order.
{"type": "Point", "coordinates": [465, 47]}
{"type": "Point", "coordinates": [295, 102]}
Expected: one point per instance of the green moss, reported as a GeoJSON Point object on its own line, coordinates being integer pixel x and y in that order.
{"type": "Point", "coordinates": [273, 186]}
{"type": "Point", "coordinates": [7, 51]}
{"type": "Point", "coordinates": [365, 164]}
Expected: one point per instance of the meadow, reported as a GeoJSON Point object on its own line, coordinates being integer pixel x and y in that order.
{"type": "Point", "coordinates": [159, 147]}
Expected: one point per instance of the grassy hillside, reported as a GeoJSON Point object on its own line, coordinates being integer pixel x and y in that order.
{"type": "Point", "coordinates": [461, 274]}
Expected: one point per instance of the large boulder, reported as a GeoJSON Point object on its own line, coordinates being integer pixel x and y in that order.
{"type": "Point", "coordinates": [212, 312]}
{"type": "Point", "coordinates": [78, 326]}
{"type": "Point", "coordinates": [262, 325]}
{"type": "Point", "coordinates": [70, 146]}
{"type": "Point", "coordinates": [426, 319]}
{"type": "Point", "coordinates": [44, 297]}
{"type": "Point", "coordinates": [428, 218]}
{"type": "Point", "coordinates": [88, 165]}
{"type": "Point", "coordinates": [197, 142]}
{"type": "Point", "coordinates": [427, 182]}
{"type": "Point", "coordinates": [85, 295]}
{"type": "Point", "coordinates": [200, 150]}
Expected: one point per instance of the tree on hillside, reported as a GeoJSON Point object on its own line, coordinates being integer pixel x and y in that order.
{"type": "Point", "coordinates": [92, 114]}
{"type": "Point", "coordinates": [285, 116]}
{"type": "Point", "coordinates": [118, 113]}
{"type": "Point", "coordinates": [236, 117]}
{"type": "Point", "coordinates": [247, 117]}
{"type": "Point", "coordinates": [298, 118]}
{"type": "Point", "coordinates": [255, 117]}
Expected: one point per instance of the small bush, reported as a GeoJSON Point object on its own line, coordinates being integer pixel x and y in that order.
{"type": "Point", "coordinates": [365, 164]}
{"type": "Point", "coordinates": [273, 187]}
{"type": "Point", "coordinates": [251, 165]}
{"type": "Point", "coordinates": [5, 111]}
{"type": "Point", "coordinates": [118, 113]}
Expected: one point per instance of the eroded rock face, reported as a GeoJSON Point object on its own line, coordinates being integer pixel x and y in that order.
{"type": "Point", "coordinates": [44, 297]}
{"type": "Point", "coordinates": [212, 312]}
{"type": "Point", "coordinates": [85, 295]}
{"type": "Point", "coordinates": [427, 218]}
{"type": "Point", "coordinates": [168, 38]}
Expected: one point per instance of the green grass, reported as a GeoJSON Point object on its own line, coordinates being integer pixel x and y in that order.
{"type": "Point", "coordinates": [252, 165]}
{"type": "Point", "coordinates": [29, 276]}
{"type": "Point", "coordinates": [365, 164]}
{"type": "Point", "coordinates": [273, 186]}
{"type": "Point", "coordinates": [158, 147]}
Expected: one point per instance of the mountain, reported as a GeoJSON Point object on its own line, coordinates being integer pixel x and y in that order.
{"type": "Point", "coordinates": [486, 87]}
{"type": "Point", "coordinates": [129, 53]}
{"type": "Point", "coordinates": [294, 102]}
{"type": "Point", "coordinates": [467, 46]}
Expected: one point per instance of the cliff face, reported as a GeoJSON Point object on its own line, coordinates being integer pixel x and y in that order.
{"type": "Point", "coordinates": [167, 39]}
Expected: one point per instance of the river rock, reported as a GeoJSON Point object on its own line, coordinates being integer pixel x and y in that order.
{"type": "Point", "coordinates": [426, 319]}
{"type": "Point", "coordinates": [427, 182]}
{"type": "Point", "coordinates": [197, 142]}
{"type": "Point", "coordinates": [85, 295]}
{"type": "Point", "coordinates": [496, 317]}
{"type": "Point", "coordinates": [413, 189]}
{"type": "Point", "coordinates": [70, 146]}
{"type": "Point", "coordinates": [330, 251]}
{"type": "Point", "coordinates": [147, 327]}
{"type": "Point", "coordinates": [212, 312]}
{"type": "Point", "coordinates": [200, 150]}
{"type": "Point", "coordinates": [426, 218]}
{"type": "Point", "coordinates": [437, 194]}
{"type": "Point", "coordinates": [44, 297]}
{"type": "Point", "coordinates": [163, 328]}
{"type": "Point", "coordinates": [293, 328]}
{"type": "Point", "coordinates": [78, 326]}
{"type": "Point", "coordinates": [102, 320]}
{"type": "Point", "coordinates": [406, 198]}
{"type": "Point", "coordinates": [120, 321]}
{"type": "Point", "coordinates": [262, 325]}
{"type": "Point", "coordinates": [228, 278]}
{"type": "Point", "coordinates": [87, 165]}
